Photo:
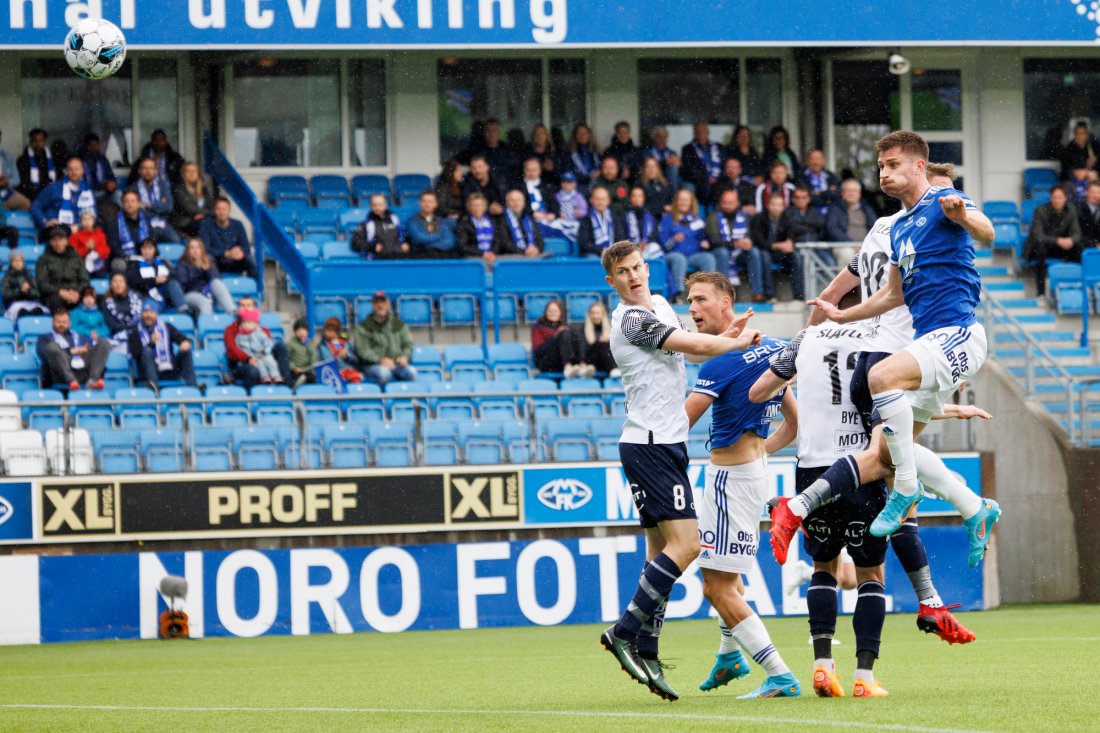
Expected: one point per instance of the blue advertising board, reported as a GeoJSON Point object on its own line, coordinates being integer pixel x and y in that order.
{"type": "Point", "coordinates": [396, 588]}
{"type": "Point", "coordinates": [437, 24]}
{"type": "Point", "coordinates": [16, 507]}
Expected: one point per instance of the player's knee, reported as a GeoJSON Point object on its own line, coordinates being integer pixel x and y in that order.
{"type": "Point", "coordinates": [880, 378]}
{"type": "Point", "coordinates": [873, 573]}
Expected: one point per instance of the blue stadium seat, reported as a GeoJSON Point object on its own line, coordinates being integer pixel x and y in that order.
{"type": "Point", "coordinates": [320, 411]}
{"type": "Point", "coordinates": [240, 287]}
{"type": "Point", "coordinates": [346, 445]}
{"type": "Point", "coordinates": [211, 441]}
{"type": "Point", "coordinates": [544, 397]}
{"type": "Point", "coordinates": [117, 450]}
{"type": "Point", "coordinates": [534, 304]}
{"type": "Point", "coordinates": [440, 443]}
{"type": "Point", "coordinates": [317, 221]}
{"type": "Point", "coordinates": [509, 353]}
{"type": "Point", "coordinates": [365, 185]}
{"type": "Point", "coordinates": [144, 415]}
{"type": "Point", "coordinates": [258, 447]}
{"type": "Point", "coordinates": [286, 218]}
{"type": "Point", "coordinates": [558, 247]}
{"type": "Point", "coordinates": [457, 309]}
{"type": "Point", "coordinates": [272, 411]}
{"type": "Point", "coordinates": [284, 188]}
{"type": "Point", "coordinates": [311, 253]}
{"type": "Point", "coordinates": [568, 439]}
{"type": "Point", "coordinates": [515, 437]}
{"type": "Point", "coordinates": [208, 367]}
{"type": "Point", "coordinates": [7, 337]}
{"type": "Point", "coordinates": [30, 328]}
{"type": "Point", "coordinates": [329, 187]}
{"type": "Point", "coordinates": [499, 407]}
{"type": "Point", "coordinates": [338, 250]}
{"type": "Point", "coordinates": [511, 373]}
{"type": "Point", "coordinates": [230, 410]}
{"type": "Point", "coordinates": [507, 306]}
{"type": "Point", "coordinates": [1006, 235]}
{"type": "Point", "coordinates": [182, 323]}
{"type": "Point", "coordinates": [590, 405]}
{"type": "Point", "coordinates": [1027, 211]}
{"type": "Point", "coordinates": [173, 413]}
{"type": "Point", "coordinates": [350, 218]}
{"type": "Point", "coordinates": [91, 417]}
{"type": "Point", "coordinates": [391, 443]}
{"type": "Point", "coordinates": [576, 305]}
{"type": "Point", "coordinates": [407, 187]}
{"type": "Point", "coordinates": [1066, 284]}
{"type": "Point", "coordinates": [365, 411]}
{"type": "Point", "coordinates": [456, 354]}
{"type": "Point", "coordinates": [21, 220]}
{"type": "Point", "coordinates": [605, 434]}
{"type": "Point", "coordinates": [451, 407]}
{"type": "Point", "coordinates": [19, 372]}
{"type": "Point", "coordinates": [163, 449]}
{"type": "Point", "coordinates": [1037, 179]}
{"type": "Point", "coordinates": [415, 310]}
{"type": "Point", "coordinates": [212, 326]}
{"type": "Point", "coordinates": [42, 418]}
{"type": "Point", "coordinates": [427, 360]}
{"type": "Point", "coordinates": [403, 408]}
{"type": "Point", "coordinates": [329, 306]}
{"type": "Point", "coordinates": [273, 322]}
{"type": "Point", "coordinates": [170, 251]}
{"type": "Point", "coordinates": [1002, 212]}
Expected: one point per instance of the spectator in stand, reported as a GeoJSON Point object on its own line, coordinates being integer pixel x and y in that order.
{"type": "Point", "coordinates": [1088, 216]}
{"type": "Point", "coordinates": [303, 354]}
{"type": "Point", "coordinates": [570, 202]}
{"type": "Point", "coordinates": [127, 229]}
{"type": "Point", "coordinates": [519, 229]}
{"type": "Point", "coordinates": [852, 217]}
{"type": "Point", "coordinates": [596, 332]}
{"type": "Point", "coordinates": [669, 161]}
{"type": "Point", "coordinates": [227, 241]}
{"type": "Point", "coordinates": [9, 185]}
{"type": "Point", "coordinates": [87, 318]}
{"type": "Point", "coordinates": [380, 236]}
{"type": "Point", "coordinates": [702, 161]}
{"type": "Point", "coordinates": [609, 180]}
{"type": "Point", "coordinates": [658, 189]}
{"type": "Point", "coordinates": [449, 190]}
{"type": "Point", "coordinates": [684, 240]}
{"type": "Point", "coordinates": [242, 367]}
{"type": "Point", "coordinates": [97, 169]}
{"type": "Point", "coordinates": [728, 228]}
{"type": "Point", "coordinates": [155, 193]}
{"type": "Point", "coordinates": [430, 236]}
{"type": "Point", "coordinates": [90, 243]}
{"type": "Point", "coordinates": [480, 181]}
{"type": "Point", "coordinates": [641, 225]}
{"type": "Point", "coordinates": [477, 232]}
{"type": "Point", "coordinates": [69, 358]}
{"type": "Point", "coordinates": [601, 228]}
{"type": "Point", "coordinates": [122, 311]}
{"type": "Point", "coordinates": [1055, 235]}
{"type": "Point", "coordinates": [502, 161]}
{"type": "Point", "coordinates": [60, 203]}
{"type": "Point", "coordinates": [771, 234]}
{"type": "Point", "coordinates": [383, 345]}
{"type": "Point", "coordinates": [807, 224]}
{"type": "Point", "coordinates": [168, 161]}
{"type": "Point", "coordinates": [1080, 152]}
{"type": "Point", "coordinates": [541, 149]}
{"type": "Point", "coordinates": [8, 233]}
{"type": "Point", "coordinates": [778, 147]}
{"type": "Point", "coordinates": [151, 342]}
{"type": "Point", "coordinates": [743, 150]}
{"type": "Point", "coordinates": [331, 346]}
{"type": "Point", "coordinates": [556, 347]}
{"type": "Point", "coordinates": [1078, 183]}
{"type": "Point", "coordinates": [584, 155]}
{"type": "Point", "coordinates": [824, 186]}
{"type": "Point", "coordinates": [779, 181]}
{"type": "Point", "coordinates": [257, 343]}
{"type": "Point", "coordinates": [19, 289]}
{"type": "Point", "coordinates": [624, 151]}
{"type": "Point", "coordinates": [540, 194]}
{"type": "Point", "coordinates": [151, 276]}
{"type": "Point", "coordinates": [193, 200]}
{"type": "Point", "coordinates": [734, 179]}
{"type": "Point", "coordinates": [35, 166]}
{"type": "Point", "coordinates": [200, 280]}
{"type": "Point", "coordinates": [60, 272]}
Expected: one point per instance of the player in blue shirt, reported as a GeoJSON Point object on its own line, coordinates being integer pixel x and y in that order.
{"type": "Point", "coordinates": [932, 272]}
{"type": "Point", "coordinates": [737, 486]}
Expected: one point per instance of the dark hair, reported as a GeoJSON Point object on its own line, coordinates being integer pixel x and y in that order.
{"type": "Point", "coordinates": [616, 253]}
{"type": "Point", "coordinates": [129, 191]}
{"type": "Point", "coordinates": [91, 136]}
{"type": "Point", "coordinates": [777, 130]}
{"type": "Point", "coordinates": [152, 243]}
{"type": "Point", "coordinates": [220, 199]}
{"type": "Point", "coordinates": [621, 124]}
{"type": "Point", "coordinates": [447, 178]}
{"type": "Point", "coordinates": [909, 142]}
{"type": "Point", "coordinates": [720, 282]}
{"type": "Point", "coordinates": [544, 321]}
{"type": "Point", "coordinates": [36, 131]}
{"type": "Point", "coordinates": [331, 324]}
{"type": "Point", "coordinates": [480, 157]}
{"type": "Point", "coordinates": [804, 189]}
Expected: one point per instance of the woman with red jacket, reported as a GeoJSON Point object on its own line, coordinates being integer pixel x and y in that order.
{"type": "Point", "coordinates": [557, 347]}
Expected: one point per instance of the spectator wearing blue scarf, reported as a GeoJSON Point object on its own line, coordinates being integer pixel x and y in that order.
{"type": "Point", "coordinates": [683, 237]}
{"type": "Point", "coordinates": [97, 169]}
{"type": "Point", "coordinates": [519, 228]}
{"type": "Point", "coordinates": [151, 342]}
{"type": "Point", "coordinates": [702, 161]}
{"type": "Point", "coordinates": [152, 276]}
{"type": "Point", "coordinates": [668, 159]}
{"type": "Point", "coordinates": [126, 231]}
{"type": "Point", "coordinates": [61, 202]}
{"type": "Point", "coordinates": [71, 359]}
{"type": "Point", "coordinates": [601, 227]}
{"type": "Point", "coordinates": [583, 155]}
{"type": "Point", "coordinates": [640, 224]}
{"type": "Point", "coordinates": [478, 233]}
{"type": "Point", "coordinates": [728, 230]}
{"type": "Point", "coordinates": [823, 184]}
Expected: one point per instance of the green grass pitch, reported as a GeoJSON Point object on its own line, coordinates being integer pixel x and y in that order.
{"type": "Point", "coordinates": [1031, 669]}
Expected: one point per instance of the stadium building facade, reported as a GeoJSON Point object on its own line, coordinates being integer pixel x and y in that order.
{"type": "Point", "coordinates": [392, 86]}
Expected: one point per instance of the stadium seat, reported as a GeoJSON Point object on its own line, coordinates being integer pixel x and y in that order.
{"type": "Point", "coordinates": [1027, 211]}
{"type": "Point", "coordinates": [163, 450]}
{"type": "Point", "coordinates": [365, 185]}
{"type": "Point", "coordinates": [317, 221]}
{"type": "Point", "coordinates": [427, 360]}
{"type": "Point", "coordinates": [23, 453]}
{"type": "Point", "coordinates": [406, 408]}
{"type": "Point", "coordinates": [415, 310]}
{"type": "Point", "coordinates": [501, 406]}
{"type": "Point", "coordinates": [1036, 179]}
{"type": "Point", "coordinates": [7, 337]}
{"type": "Point", "coordinates": [365, 411]}
{"type": "Point", "coordinates": [582, 405]}
{"type": "Point", "coordinates": [350, 219]}
{"type": "Point", "coordinates": [391, 443]}
{"type": "Point", "coordinates": [336, 250]}
{"type": "Point", "coordinates": [1006, 235]}
{"type": "Point", "coordinates": [173, 413]}
{"type": "Point", "coordinates": [319, 411]}
{"type": "Point", "coordinates": [567, 439]}
{"type": "Point", "coordinates": [208, 368]}
{"type": "Point", "coordinates": [576, 305]}
{"type": "Point", "coordinates": [509, 353]}
{"type": "Point", "coordinates": [346, 445]}
{"type": "Point", "coordinates": [558, 247]}
{"type": "Point", "coordinates": [30, 328]}
{"type": "Point", "coordinates": [170, 251]}
{"type": "Point", "coordinates": [284, 188]}
{"type": "Point", "coordinates": [143, 415]}
{"type": "Point", "coordinates": [534, 305]}
{"type": "Point", "coordinates": [182, 323]}
{"type": "Point", "coordinates": [329, 188]}
{"type": "Point", "coordinates": [241, 287]}
{"type": "Point", "coordinates": [91, 416]}
{"type": "Point", "coordinates": [69, 453]}
{"type": "Point", "coordinates": [451, 407]}
{"type": "Point", "coordinates": [117, 450]}
{"type": "Point", "coordinates": [212, 326]}
{"type": "Point", "coordinates": [516, 438]}
{"type": "Point", "coordinates": [456, 309]}
{"type": "Point", "coordinates": [230, 410]}
{"type": "Point", "coordinates": [1066, 284]}
{"type": "Point", "coordinates": [507, 309]}
{"type": "Point", "coordinates": [273, 406]}
{"type": "Point", "coordinates": [330, 306]}
{"type": "Point", "coordinates": [10, 416]}
{"type": "Point", "coordinates": [258, 447]}
{"type": "Point", "coordinates": [211, 447]}
{"type": "Point", "coordinates": [407, 187]}
{"type": "Point", "coordinates": [605, 434]}
{"type": "Point", "coordinates": [511, 373]}
{"type": "Point", "coordinates": [544, 397]}
{"type": "Point", "coordinates": [480, 442]}
{"type": "Point", "coordinates": [440, 443]}
{"type": "Point", "coordinates": [286, 218]}
{"type": "Point", "coordinates": [38, 418]}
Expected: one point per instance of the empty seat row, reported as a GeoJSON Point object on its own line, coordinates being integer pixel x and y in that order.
{"type": "Point", "coordinates": [332, 190]}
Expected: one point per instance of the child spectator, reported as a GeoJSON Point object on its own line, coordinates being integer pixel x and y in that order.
{"type": "Point", "coordinates": [571, 204]}
{"type": "Point", "coordinates": [19, 290]}
{"type": "Point", "coordinates": [335, 348]}
{"type": "Point", "coordinates": [87, 318]}
{"type": "Point", "coordinates": [255, 342]}
{"type": "Point", "coordinates": [151, 276]}
{"type": "Point", "coordinates": [90, 243]}
{"type": "Point", "coordinates": [303, 353]}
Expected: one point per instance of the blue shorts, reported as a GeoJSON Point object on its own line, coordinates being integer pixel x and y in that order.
{"type": "Point", "coordinates": [860, 388]}
{"type": "Point", "coordinates": [657, 474]}
{"type": "Point", "coordinates": [844, 522]}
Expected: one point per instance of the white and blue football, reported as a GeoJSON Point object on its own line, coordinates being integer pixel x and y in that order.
{"type": "Point", "coordinates": [95, 48]}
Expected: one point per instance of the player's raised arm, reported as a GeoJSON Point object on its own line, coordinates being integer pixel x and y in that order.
{"type": "Point", "coordinates": [788, 430]}
{"type": "Point", "coordinates": [886, 299]}
{"type": "Point", "coordinates": [976, 224]}
{"type": "Point", "coordinates": [962, 412]}
{"type": "Point", "coordinates": [781, 372]}
{"type": "Point", "coordinates": [844, 281]}
{"type": "Point", "coordinates": [702, 344]}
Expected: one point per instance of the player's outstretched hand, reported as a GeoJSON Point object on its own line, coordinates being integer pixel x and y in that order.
{"type": "Point", "coordinates": [738, 324]}
{"type": "Point", "coordinates": [831, 312]}
{"type": "Point", "coordinates": [749, 337]}
{"type": "Point", "coordinates": [965, 412]}
{"type": "Point", "coordinates": [953, 207]}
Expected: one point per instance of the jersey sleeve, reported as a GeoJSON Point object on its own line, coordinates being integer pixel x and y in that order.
{"type": "Point", "coordinates": [642, 329]}
{"type": "Point", "coordinates": [783, 363]}
{"type": "Point", "coordinates": [853, 266]}
{"type": "Point", "coordinates": [715, 375]}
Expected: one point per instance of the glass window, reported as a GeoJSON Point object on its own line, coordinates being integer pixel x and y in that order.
{"type": "Point", "coordinates": [567, 95]}
{"type": "Point", "coordinates": [158, 99]}
{"type": "Point", "coordinates": [937, 100]}
{"type": "Point", "coordinates": [866, 106]}
{"type": "Point", "coordinates": [677, 92]}
{"type": "Point", "coordinates": [68, 107]}
{"type": "Point", "coordinates": [945, 152]}
{"type": "Point", "coordinates": [1057, 94]}
{"type": "Point", "coordinates": [475, 89]}
{"type": "Point", "coordinates": [368, 112]}
{"type": "Point", "coordinates": [286, 113]}
{"type": "Point", "coordinates": [764, 95]}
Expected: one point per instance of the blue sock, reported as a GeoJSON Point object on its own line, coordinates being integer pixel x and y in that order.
{"type": "Point", "coordinates": [840, 477]}
{"type": "Point", "coordinates": [653, 588]}
{"type": "Point", "coordinates": [869, 617]}
{"type": "Point", "coordinates": [823, 604]}
{"type": "Point", "coordinates": [909, 548]}
{"type": "Point", "coordinates": [647, 637]}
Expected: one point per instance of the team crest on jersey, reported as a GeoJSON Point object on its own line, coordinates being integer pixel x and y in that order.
{"type": "Point", "coordinates": [922, 221]}
{"type": "Point", "coordinates": [907, 259]}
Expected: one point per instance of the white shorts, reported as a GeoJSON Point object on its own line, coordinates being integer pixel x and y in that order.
{"type": "Point", "coordinates": [947, 358]}
{"type": "Point", "coordinates": [729, 519]}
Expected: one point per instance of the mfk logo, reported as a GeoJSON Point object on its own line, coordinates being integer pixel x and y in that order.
{"type": "Point", "coordinates": [564, 494]}
{"type": "Point", "coordinates": [483, 498]}
{"type": "Point", "coordinates": [78, 511]}
{"type": "Point", "coordinates": [5, 510]}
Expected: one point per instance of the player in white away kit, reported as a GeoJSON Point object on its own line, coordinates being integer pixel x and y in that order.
{"type": "Point", "coordinates": [737, 486]}
{"type": "Point", "coordinates": [885, 335]}
{"type": "Point", "coordinates": [932, 271]}
{"type": "Point", "coordinates": [649, 344]}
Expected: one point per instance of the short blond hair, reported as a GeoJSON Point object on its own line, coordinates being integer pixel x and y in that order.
{"type": "Point", "coordinates": [717, 280]}
{"type": "Point", "coordinates": [945, 170]}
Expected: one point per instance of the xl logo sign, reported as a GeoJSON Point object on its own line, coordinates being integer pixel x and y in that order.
{"type": "Point", "coordinates": [483, 498]}
{"type": "Point", "coordinates": [78, 511]}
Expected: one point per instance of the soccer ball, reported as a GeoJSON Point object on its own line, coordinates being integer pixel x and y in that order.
{"type": "Point", "coordinates": [95, 48]}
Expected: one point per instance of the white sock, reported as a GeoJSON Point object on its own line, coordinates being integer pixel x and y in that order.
{"type": "Point", "coordinates": [829, 664]}
{"type": "Point", "coordinates": [729, 644]}
{"type": "Point", "coordinates": [897, 414]}
{"type": "Point", "coordinates": [753, 637]}
{"type": "Point", "coordinates": [942, 482]}
{"type": "Point", "coordinates": [932, 601]}
{"type": "Point", "coordinates": [864, 674]}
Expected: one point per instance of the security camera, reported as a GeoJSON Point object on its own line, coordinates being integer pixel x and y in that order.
{"type": "Point", "coordinates": [898, 64]}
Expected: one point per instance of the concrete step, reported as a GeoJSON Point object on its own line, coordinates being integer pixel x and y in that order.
{"type": "Point", "coordinates": [1007, 337]}
{"type": "Point", "coordinates": [1048, 373]}
{"type": "Point", "coordinates": [1007, 286]}
{"type": "Point", "coordinates": [1066, 356]}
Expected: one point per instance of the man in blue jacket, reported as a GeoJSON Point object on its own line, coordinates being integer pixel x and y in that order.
{"type": "Point", "coordinates": [61, 202]}
{"type": "Point", "coordinates": [430, 235]}
{"type": "Point", "coordinates": [227, 241]}
{"type": "Point", "coordinates": [851, 218]}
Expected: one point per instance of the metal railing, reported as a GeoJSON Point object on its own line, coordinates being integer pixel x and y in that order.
{"type": "Point", "coordinates": [816, 272]}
